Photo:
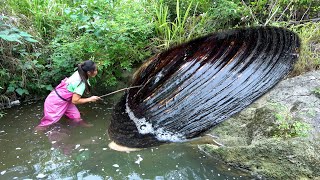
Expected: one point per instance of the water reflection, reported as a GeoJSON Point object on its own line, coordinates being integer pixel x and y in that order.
{"type": "Point", "coordinates": [60, 136]}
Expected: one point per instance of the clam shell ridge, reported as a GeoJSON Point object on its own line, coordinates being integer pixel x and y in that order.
{"type": "Point", "coordinates": [192, 87]}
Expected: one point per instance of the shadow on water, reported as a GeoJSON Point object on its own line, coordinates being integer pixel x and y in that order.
{"type": "Point", "coordinates": [66, 151]}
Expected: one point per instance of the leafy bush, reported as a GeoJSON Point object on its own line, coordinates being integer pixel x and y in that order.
{"type": "Point", "coordinates": [20, 68]}
{"type": "Point", "coordinates": [227, 14]}
{"type": "Point", "coordinates": [114, 35]}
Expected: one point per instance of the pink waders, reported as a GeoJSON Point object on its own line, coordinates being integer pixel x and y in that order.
{"type": "Point", "coordinates": [57, 104]}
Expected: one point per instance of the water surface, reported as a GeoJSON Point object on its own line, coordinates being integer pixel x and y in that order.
{"type": "Point", "coordinates": [72, 152]}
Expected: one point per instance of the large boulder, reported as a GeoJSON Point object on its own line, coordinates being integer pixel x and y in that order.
{"type": "Point", "coordinates": [277, 137]}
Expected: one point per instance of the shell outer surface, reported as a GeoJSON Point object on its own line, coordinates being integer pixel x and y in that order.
{"type": "Point", "coordinates": [188, 89]}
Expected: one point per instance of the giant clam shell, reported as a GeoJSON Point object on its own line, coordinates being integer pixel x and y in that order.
{"type": "Point", "coordinates": [192, 87]}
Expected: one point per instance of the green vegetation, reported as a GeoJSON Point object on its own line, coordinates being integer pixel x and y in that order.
{"type": "Point", "coordinates": [19, 65]}
{"type": "Point", "coordinates": [287, 126]}
{"type": "Point", "coordinates": [41, 41]}
{"type": "Point", "coordinates": [171, 32]}
{"type": "Point", "coordinates": [113, 34]}
{"type": "Point", "coordinates": [2, 114]}
{"type": "Point", "coordinates": [316, 92]}
{"type": "Point", "coordinates": [310, 47]}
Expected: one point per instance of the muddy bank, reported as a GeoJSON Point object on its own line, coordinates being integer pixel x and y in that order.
{"type": "Point", "coordinates": [277, 137]}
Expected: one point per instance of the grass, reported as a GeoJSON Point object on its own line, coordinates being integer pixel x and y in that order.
{"type": "Point", "coordinates": [309, 58]}
{"type": "Point", "coordinates": [45, 14]}
{"type": "Point", "coordinates": [183, 27]}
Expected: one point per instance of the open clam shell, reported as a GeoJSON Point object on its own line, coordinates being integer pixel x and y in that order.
{"type": "Point", "coordinates": [192, 87]}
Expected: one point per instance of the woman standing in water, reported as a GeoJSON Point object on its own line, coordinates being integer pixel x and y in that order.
{"type": "Point", "coordinates": [62, 100]}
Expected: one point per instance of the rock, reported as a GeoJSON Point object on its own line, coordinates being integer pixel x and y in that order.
{"type": "Point", "coordinates": [8, 104]}
{"type": "Point", "coordinates": [16, 102]}
{"type": "Point", "coordinates": [278, 136]}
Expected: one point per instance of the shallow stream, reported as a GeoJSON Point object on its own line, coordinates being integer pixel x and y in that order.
{"type": "Point", "coordinates": [72, 152]}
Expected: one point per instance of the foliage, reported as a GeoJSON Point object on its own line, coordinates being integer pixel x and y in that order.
{"type": "Point", "coordinates": [264, 12]}
{"type": "Point", "coordinates": [46, 15]}
{"type": "Point", "coordinates": [180, 26]}
{"type": "Point", "coordinates": [198, 7]}
{"type": "Point", "coordinates": [113, 35]}
{"type": "Point", "coordinates": [170, 32]}
{"type": "Point", "coordinates": [316, 92]}
{"type": "Point", "coordinates": [310, 47]}
{"type": "Point", "coordinates": [2, 114]}
{"type": "Point", "coordinates": [120, 34]}
{"type": "Point", "coordinates": [227, 14]}
{"type": "Point", "coordinates": [287, 126]}
{"type": "Point", "coordinates": [18, 61]}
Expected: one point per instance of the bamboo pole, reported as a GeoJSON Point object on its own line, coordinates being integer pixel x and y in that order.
{"type": "Point", "coordinates": [119, 91]}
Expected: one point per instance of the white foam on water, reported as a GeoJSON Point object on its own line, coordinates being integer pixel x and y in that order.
{"type": "Point", "coordinates": [40, 176]}
{"type": "Point", "coordinates": [139, 159]}
{"type": "Point", "coordinates": [77, 146]}
{"type": "Point", "coordinates": [145, 127]}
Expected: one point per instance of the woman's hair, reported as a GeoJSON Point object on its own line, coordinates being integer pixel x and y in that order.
{"type": "Point", "coordinates": [83, 68]}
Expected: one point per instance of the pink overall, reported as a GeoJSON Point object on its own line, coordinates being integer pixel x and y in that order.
{"type": "Point", "coordinates": [55, 107]}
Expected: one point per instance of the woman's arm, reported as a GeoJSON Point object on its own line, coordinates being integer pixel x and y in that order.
{"type": "Point", "coordinates": [76, 99]}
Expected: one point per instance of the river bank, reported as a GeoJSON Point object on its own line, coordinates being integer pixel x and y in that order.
{"type": "Point", "coordinates": [277, 137]}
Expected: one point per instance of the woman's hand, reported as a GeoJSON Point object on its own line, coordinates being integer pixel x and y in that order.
{"type": "Point", "coordinates": [94, 98]}
{"type": "Point", "coordinates": [77, 99]}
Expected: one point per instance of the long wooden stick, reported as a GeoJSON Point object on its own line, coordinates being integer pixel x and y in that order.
{"type": "Point", "coordinates": [119, 91]}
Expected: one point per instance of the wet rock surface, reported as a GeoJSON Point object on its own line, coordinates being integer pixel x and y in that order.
{"type": "Point", "coordinates": [277, 137]}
